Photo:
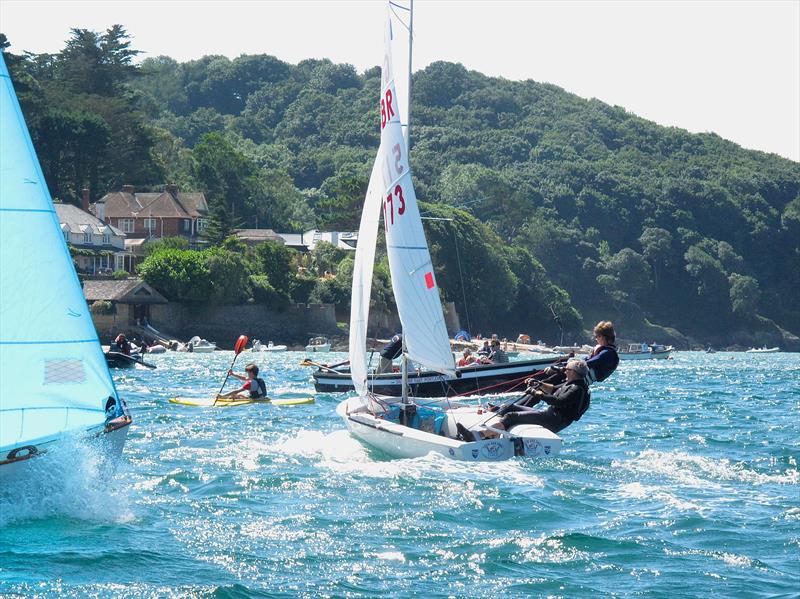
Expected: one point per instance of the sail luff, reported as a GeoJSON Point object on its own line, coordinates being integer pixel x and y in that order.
{"type": "Point", "coordinates": [362, 281]}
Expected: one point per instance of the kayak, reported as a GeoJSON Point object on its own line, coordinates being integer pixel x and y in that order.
{"type": "Point", "coordinates": [209, 402]}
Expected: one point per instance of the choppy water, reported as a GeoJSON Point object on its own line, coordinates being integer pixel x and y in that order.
{"type": "Point", "coordinates": [682, 480]}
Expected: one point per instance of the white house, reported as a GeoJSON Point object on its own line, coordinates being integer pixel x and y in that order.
{"type": "Point", "coordinates": [307, 241]}
{"type": "Point", "coordinates": [100, 248]}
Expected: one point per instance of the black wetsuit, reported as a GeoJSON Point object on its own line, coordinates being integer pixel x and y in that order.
{"type": "Point", "coordinates": [394, 348]}
{"type": "Point", "coordinates": [566, 405]}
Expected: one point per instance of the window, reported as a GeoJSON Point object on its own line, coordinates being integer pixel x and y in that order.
{"type": "Point", "coordinates": [106, 239]}
{"type": "Point", "coordinates": [150, 224]}
{"type": "Point", "coordinates": [201, 224]}
{"type": "Point", "coordinates": [187, 225]}
{"type": "Point", "coordinates": [87, 237]}
{"type": "Point", "coordinates": [66, 236]}
{"type": "Point", "coordinates": [126, 224]}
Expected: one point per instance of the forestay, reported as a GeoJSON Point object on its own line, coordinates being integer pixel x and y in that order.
{"type": "Point", "coordinates": [53, 375]}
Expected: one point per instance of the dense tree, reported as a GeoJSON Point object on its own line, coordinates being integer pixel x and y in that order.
{"type": "Point", "coordinates": [181, 275]}
{"type": "Point", "coordinates": [580, 186]}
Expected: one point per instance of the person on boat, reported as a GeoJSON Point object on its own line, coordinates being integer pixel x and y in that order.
{"type": "Point", "coordinates": [602, 362]}
{"type": "Point", "coordinates": [498, 355]}
{"type": "Point", "coordinates": [467, 359]}
{"type": "Point", "coordinates": [485, 350]}
{"type": "Point", "coordinates": [390, 351]}
{"type": "Point", "coordinates": [253, 387]}
{"type": "Point", "coordinates": [565, 405]}
{"type": "Point", "coordinates": [122, 345]}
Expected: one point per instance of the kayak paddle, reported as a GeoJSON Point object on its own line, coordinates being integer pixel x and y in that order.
{"type": "Point", "coordinates": [241, 342]}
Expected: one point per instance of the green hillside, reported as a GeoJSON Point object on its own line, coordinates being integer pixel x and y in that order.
{"type": "Point", "coordinates": [559, 201]}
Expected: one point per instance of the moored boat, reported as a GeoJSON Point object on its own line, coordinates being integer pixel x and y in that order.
{"type": "Point", "coordinates": [200, 346]}
{"type": "Point", "coordinates": [642, 351]}
{"type": "Point", "coordinates": [763, 350]}
{"type": "Point", "coordinates": [270, 347]}
{"type": "Point", "coordinates": [318, 344]}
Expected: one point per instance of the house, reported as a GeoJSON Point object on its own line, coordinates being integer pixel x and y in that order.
{"type": "Point", "coordinates": [146, 215]}
{"type": "Point", "coordinates": [125, 303]}
{"type": "Point", "coordinates": [255, 236]}
{"type": "Point", "coordinates": [96, 247]}
{"type": "Point", "coordinates": [306, 242]}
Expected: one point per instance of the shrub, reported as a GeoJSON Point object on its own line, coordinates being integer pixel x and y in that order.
{"type": "Point", "coordinates": [103, 307]}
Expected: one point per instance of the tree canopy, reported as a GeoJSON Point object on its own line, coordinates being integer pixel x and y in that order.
{"type": "Point", "coordinates": [556, 201]}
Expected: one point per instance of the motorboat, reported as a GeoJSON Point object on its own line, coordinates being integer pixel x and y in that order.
{"type": "Point", "coordinates": [642, 351]}
{"type": "Point", "coordinates": [318, 344]}
{"type": "Point", "coordinates": [763, 350]}
{"type": "Point", "coordinates": [269, 347]}
{"type": "Point", "coordinates": [200, 346]}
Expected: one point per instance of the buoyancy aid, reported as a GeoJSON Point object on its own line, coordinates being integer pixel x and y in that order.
{"type": "Point", "coordinates": [602, 363]}
{"type": "Point", "coordinates": [260, 389]}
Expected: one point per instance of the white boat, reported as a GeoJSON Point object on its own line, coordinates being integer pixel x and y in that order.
{"type": "Point", "coordinates": [318, 344]}
{"type": "Point", "coordinates": [763, 350]}
{"type": "Point", "coordinates": [397, 426]}
{"type": "Point", "coordinates": [642, 351]}
{"type": "Point", "coordinates": [54, 381]}
{"type": "Point", "coordinates": [270, 347]}
{"type": "Point", "coordinates": [200, 346]}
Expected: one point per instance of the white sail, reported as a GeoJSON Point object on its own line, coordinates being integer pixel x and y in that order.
{"type": "Point", "coordinates": [413, 281]}
{"type": "Point", "coordinates": [362, 280]}
{"type": "Point", "coordinates": [400, 41]}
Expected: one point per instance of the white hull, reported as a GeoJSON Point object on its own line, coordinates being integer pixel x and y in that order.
{"type": "Point", "coordinates": [764, 350]}
{"type": "Point", "coordinates": [110, 443]}
{"type": "Point", "coordinates": [662, 355]}
{"type": "Point", "coordinates": [319, 348]}
{"type": "Point", "coordinates": [399, 441]}
{"type": "Point", "coordinates": [203, 349]}
{"type": "Point", "coordinates": [268, 348]}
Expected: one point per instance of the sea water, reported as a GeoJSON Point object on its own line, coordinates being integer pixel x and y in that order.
{"type": "Point", "coordinates": [682, 480]}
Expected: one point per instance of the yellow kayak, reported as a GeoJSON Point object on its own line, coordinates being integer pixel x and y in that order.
{"type": "Point", "coordinates": [210, 402]}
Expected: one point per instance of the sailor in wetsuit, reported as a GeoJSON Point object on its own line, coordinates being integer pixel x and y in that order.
{"type": "Point", "coordinates": [602, 362]}
{"type": "Point", "coordinates": [565, 405]}
{"type": "Point", "coordinates": [391, 350]}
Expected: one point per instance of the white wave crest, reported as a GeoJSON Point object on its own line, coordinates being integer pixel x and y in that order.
{"type": "Point", "coordinates": [700, 471]}
{"type": "Point", "coordinates": [74, 479]}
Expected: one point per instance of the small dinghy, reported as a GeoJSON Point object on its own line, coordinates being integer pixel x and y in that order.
{"type": "Point", "coordinates": [433, 428]}
{"type": "Point", "coordinates": [54, 381]}
{"type": "Point", "coordinates": [397, 426]}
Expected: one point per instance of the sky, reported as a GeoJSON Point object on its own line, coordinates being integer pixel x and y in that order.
{"type": "Point", "coordinates": [728, 67]}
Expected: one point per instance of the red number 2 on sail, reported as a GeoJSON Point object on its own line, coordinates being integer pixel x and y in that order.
{"type": "Point", "coordinates": [388, 205]}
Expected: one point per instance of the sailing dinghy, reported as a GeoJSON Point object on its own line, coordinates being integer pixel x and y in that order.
{"type": "Point", "coordinates": [53, 375]}
{"type": "Point", "coordinates": [397, 426]}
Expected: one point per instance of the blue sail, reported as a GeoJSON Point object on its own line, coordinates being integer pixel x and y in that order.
{"type": "Point", "coordinates": [53, 374]}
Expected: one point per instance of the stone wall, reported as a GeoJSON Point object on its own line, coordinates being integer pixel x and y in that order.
{"type": "Point", "coordinates": [224, 324]}
{"type": "Point", "coordinates": [110, 325]}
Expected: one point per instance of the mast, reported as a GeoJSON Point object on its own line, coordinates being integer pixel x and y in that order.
{"type": "Point", "coordinates": [410, 51]}
{"type": "Point", "coordinates": [404, 361]}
